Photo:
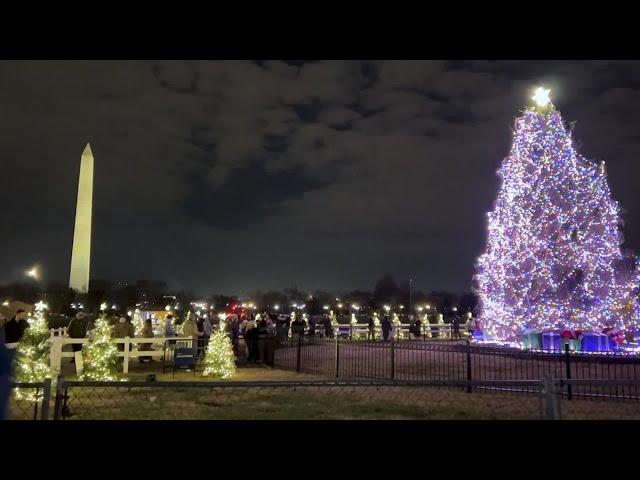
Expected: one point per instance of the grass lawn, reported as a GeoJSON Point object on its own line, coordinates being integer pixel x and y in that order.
{"type": "Point", "coordinates": [313, 403]}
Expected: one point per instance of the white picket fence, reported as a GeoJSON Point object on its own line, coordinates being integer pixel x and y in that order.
{"type": "Point", "coordinates": [440, 330]}
{"type": "Point", "coordinates": [59, 339]}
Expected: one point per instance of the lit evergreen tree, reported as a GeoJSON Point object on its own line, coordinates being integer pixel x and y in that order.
{"type": "Point", "coordinates": [553, 258]}
{"type": "Point", "coordinates": [101, 354]}
{"type": "Point", "coordinates": [32, 362]}
{"type": "Point", "coordinates": [219, 360]}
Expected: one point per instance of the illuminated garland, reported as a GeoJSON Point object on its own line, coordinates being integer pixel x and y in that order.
{"type": "Point", "coordinates": [553, 257]}
{"type": "Point", "coordinates": [219, 360]}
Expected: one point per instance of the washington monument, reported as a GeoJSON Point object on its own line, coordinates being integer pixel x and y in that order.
{"type": "Point", "coordinates": [81, 253]}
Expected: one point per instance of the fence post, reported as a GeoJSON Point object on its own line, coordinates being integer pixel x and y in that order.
{"type": "Point", "coordinates": [298, 354]}
{"type": "Point", "coordinates": [57, 409]}
{"type": "Point", "coordinates": [469, 366]}
{"type": "Point", "coordinates": [550, 399]}
{"type": "Point", "coordinates": [55, 353]}
{"type": "Point", "coordinates": [125, 363]}
{"type": "Point", "coordinates": [46, 398]}
{"type": "Point", "coordinates": [567, 358]}
{"type": "Point", "coordinates": [337, 358]}
{"type": "Point", "coordinates": [393, 360]}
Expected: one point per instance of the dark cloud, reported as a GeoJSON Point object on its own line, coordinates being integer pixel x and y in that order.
{"type": "Point", "coordinates": [324, 173]}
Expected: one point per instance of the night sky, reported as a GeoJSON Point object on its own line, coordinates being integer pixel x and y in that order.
{"type": "Point", "coordinates": [234, 176]}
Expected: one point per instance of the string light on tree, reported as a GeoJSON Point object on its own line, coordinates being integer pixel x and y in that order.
{"type": "Point", "coordinates": [32, 355]}
{"type": "Point", "coordinates": [101, 355]}
{"type": "Point", "coordinates": [553, 258]}
{"type": "Point", "coordinates": [219, 360]}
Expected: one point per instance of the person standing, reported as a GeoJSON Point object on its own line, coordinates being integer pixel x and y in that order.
{"type": "Point", "coordinates": [123, 329]}
{"type": "Point", "coordinates": [77, 328]}
{"type": "Point", "coordinates": [147, 332]}
{"type": "Point", "coordinates": [371, 324]}
{"type": "Point", "coordinates": [251, 341]}
{"type": "Point", "coordinates": [5, 373]}
{"type": "Point", "coordinates": [14, 329]}
{"type": "Point", "coordinates": [297, 328]}
{"type": "Point", "coordinates": [200, 335]}
{"type": "Point", "coordinates": [386, 327]}
{"type": "Point", "coordinates": [168, 329]}
{"type": "Point", "coordinates": [456, 327]}
{"type": "Point", "coordinates": [208, 330]}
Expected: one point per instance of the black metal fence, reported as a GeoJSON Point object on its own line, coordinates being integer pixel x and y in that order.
{"type": "Point", "coordinates": [30, 401]}
{"type": "Point", "coordinates": [425, 361]}
{"type": "Point", "coordinates": [324, 399]}
{"type": "Point", "coordinates": [300, 400]}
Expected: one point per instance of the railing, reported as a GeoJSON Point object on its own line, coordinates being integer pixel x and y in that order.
{"type": "Point", "coordinates": [30, 401]}
{"type": "Point", "coordinates": [58, 342]}
{"type": "Point", "coordinates": [459, 361]}
{"type": "Point", "coordinates": [403, 331]}
{"type": "Point", "coordinates": [283, 399]}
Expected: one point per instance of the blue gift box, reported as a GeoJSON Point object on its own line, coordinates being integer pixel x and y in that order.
{"type": "Point", "coordinates": [551, 341]}
{"type": "Point", "coordinates": [477, 335]}
{"type": "Point", "coordinates": [532, 340]}
{"type": "Point", "coordinates": [596, 342]}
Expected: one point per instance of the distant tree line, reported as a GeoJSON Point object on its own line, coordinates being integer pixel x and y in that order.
{"type": "Point", "coordinates": [156, 295]}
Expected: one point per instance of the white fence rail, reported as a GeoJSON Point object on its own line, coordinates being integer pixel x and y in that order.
{"type": "Point", "coordinates": [58, 341]}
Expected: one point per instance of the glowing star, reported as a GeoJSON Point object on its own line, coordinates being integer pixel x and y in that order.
{"type": "Point", "coordinates": [541, 97]}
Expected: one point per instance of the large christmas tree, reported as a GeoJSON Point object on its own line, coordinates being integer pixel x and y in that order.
{"type": "Point", "coordinates": [553, 258]}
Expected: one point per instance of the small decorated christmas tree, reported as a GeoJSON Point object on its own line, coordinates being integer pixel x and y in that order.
{"type": "Point", "coordinates": [138, 322]}
{"type": "Point", "coordinates": [32, 356]}
{"type": "Point", "coordinates": [426, 325]}
{"type": "Point", "coordinates": [219, 360]}
{"type": "Point", "coordinates": [101, 355]}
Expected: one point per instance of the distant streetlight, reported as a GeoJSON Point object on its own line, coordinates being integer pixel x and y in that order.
{"type": "Point", "coordinates": [277, 307]}
{"type": "Point", "coordinates": [33, 273]}
{"type": "Point", "coordinates": [387, 308]}
{"type": "Point", "coordinates": [325, 307]}
{"type": "Point", "coordinates": [355, 307]}
{"type": "Point", "coordinates": [420, 309]}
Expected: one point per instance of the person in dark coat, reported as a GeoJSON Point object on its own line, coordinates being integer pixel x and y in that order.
{"type": "Point", "coordinates": [386, 328]}
{"type": "Point", "coordinates": [371, 324]}
{"type": "Point", "coordinates": [456, 327]}
{"type": "Point", "coordinates": [297, 328]}
{"type": "Point", "coordinates": [328, 328]}
{"type": "Point", "coordinates": [418, 328]}
{"type": "Point", "coordinates": [77, 329]}
{"type": "Point", "coordinates": [200, 336]}
{"type": "Point", "coordinates": [14, 329]}
{"type": "Point", "coordinates": [5, 373]}
{"type": "Point", "coordinates": [287, 326]}
{"type": "Point", "coordinates": [251, 338]}
{"type": "Point", "coordinates": [312, 327]}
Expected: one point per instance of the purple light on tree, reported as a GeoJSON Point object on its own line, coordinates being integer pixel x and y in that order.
{"type": "Point", "coordinates": [553, 258]}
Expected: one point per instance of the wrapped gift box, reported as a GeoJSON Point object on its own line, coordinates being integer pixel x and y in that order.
{"type": "Point", "coordinates": [532, 340]}
{"type": "Point", "coordinates": [574, 344]}
{"type": "Point", "coordinates": [551, 341]}
{"type": "Point", "coordinates": [596, 342]}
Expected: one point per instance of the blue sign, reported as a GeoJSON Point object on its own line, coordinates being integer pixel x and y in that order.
{"type": "Point", "coordinates": [184, 358]}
